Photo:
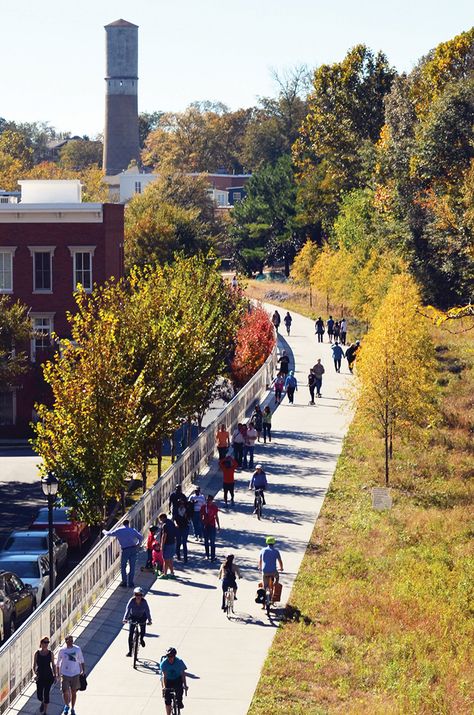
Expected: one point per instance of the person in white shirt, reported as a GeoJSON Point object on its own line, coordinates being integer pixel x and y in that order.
{"type": "Point", "coordinates": [197, 500]}
{"type": "Point", "coordinates": [250, 439]}
{"type": "Point", "coordinates": [70, 665]}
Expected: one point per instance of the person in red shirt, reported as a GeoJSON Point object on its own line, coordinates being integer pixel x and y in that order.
{"type": "Point", "coordinates": [228, 466]}
{"type": "Point", "coordinates": [210, 524]}
{"type": "Point", "coordinates": [149, 546]}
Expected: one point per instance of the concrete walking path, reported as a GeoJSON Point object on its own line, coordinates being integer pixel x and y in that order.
{"type": "Point", "coordinates": [224, 657]}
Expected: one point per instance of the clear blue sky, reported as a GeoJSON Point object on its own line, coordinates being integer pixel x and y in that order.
{"type": "Point", "coordinates": [52, 51]}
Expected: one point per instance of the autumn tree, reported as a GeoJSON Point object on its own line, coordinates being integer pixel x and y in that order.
{"type": "Point", "coordinates": [254, 342]}
{"type": "Point", "coordinates": [80, 153]}
{"type": "Point", "coordinates": [15, 331]}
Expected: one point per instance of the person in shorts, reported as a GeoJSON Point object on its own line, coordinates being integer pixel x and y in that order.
{"type": "Point", "coordinates": [70, 665]}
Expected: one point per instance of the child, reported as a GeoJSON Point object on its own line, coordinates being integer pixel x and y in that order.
{"type": "Point", "coordinates": [149, 546]}
{"type": "Point", "coordinates": [157, 557]}
{"type": "Point", "coordinates": [260, 595]}
{"type": "Point", "coordinates": [278, 385]}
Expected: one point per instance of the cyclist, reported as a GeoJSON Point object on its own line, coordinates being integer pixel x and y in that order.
{"type": "Point", "coordinates": [268, 561]}
{"type": "Point", "coordinates": [173, 676]}
{"type": "Point", "coordinates": [258, 483]}
{"type": "Point", "coordinates": [229, 573]}
{"type": "Point", "coordinates": [137, 611]}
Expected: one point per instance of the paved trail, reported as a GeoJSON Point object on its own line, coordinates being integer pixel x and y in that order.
{"type": "Point", "coordinates": [224, 658]}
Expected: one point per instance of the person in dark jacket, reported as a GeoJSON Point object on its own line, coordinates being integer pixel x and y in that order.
{"type": "Point", "coordinates": [288, 321]}
{"type": "Point", "coordinates": [318, 371]}
{"type": "Point", "coordinates": [44, 670]}
{"type": "Point", "coordinates": [330, 327]}
{"type": "Point", "coordinates": [319, 329]}
{"type": "Point", "coordinates": [137, 610]}
{"type": "Point", "coordinates": [284, 361]}
{"type": "Point", "coordinates": [182, 518]}
{"type": "Point", "coordinates": [276, 320]}
{"type": "Point", "coordinates": [337, 355]}
{"type": "Point", "coordinates": [351, 354]}
{"type": "Point", "coordinates": [257, 419]}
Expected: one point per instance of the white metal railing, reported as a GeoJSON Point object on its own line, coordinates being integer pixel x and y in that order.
{"type": "Point", "coordinates": [81, 589]}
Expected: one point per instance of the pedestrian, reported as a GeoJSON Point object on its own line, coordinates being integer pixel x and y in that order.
{"type": "Point", "coordinates": [276, 320]}
{"type": "Point", "coordinates": [278, 386]}
{"type": "Point", "coordinates": [319, 329]}
{"type": "Point", "coordinates": [249, 446]}
{"type": "Point", "coordinates": [258, 482]}
{"type": "Point", "coordinates": [168, 545]}
{"type": "Point", "coordinates": [257, 419]}
{"type": "Point", "coordinates": [137, 615]}
{"type": "Point", "coordinates": [210, 523]}
{"type": "Point", "coordinates": [330, 327]}
{"type": "Point", "coordinates": [337, 331]}
{"type": "Point", "coordinates": [238, 445]}
{"type": "Point", "coordinates": [229, 573]}
{"type": "Point", "coordinates": [45, 672]}
{"type": "Point", "coordinates": [70, 666]}
{"type": "Point", "coordinates": [351, 354]}
{"type": "Point", "coordinates": [157, 560]}
{"type": "Point", "coordinates": [343, 325]}
{"type": "Point", "coordinates": [175, 498]}
{"type": "Point", "coordinates": [222, 439]}
{"type": "Point", "coordinates": [291, 384]}
{"type": "Point", "coordinates": [311, 385]}
{"type": "Point", "coordinates": [288, 320]}
{"type": "Point", "coordinates": [228, 466]}
{"type": "Point", "coordinates": [318, 371]}
{"type": "Point", "coordinates": [337, 355]}
{"type": "Point", "coordinates": [149, 546]}
{"type": "Point", "coordinates": [267, 424]}
{"type": "Point", "coordinates": [197, 500]}
{"type": "Point", "coordinates": [284, 361]}
{"type": "Point", "coordinates": [130, 541]}
{"type": "Point", "coordinates": [181, 520]}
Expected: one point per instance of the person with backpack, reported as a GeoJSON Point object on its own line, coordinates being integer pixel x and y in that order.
{"type": "Point", "coordinates": [168, 545]}
{"type": "Point", "coordinates": [278, 386]}
{"type": "Point", "coordinates": [288, 321]}
{"type": "Point", "coordinates": [319, 329]}
{"type": "Point", "coordinates": [257, 419]}
{"type": "Point", "coordinates": [228, 465]}
{"type": "Point", "coordinates": [311, 385]}
{"type": "Point", "coordinates": [229, 573]}
{"type": "Point", "coordinates": [181, 519]}
{"type": "Point", "coordinates": [318, 371]}
{"type": "Point", "coordinates": [276, 320]}
{"type": "Point", "coordinates": [330, 327]}
{"type": "Point", "coordinates": [337, 331]}
{"type": "Point", "coordinates": [291, 384]}
{"type": "Point", "coordinates": [337, 355]}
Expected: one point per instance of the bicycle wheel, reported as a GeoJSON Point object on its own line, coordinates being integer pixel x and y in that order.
{"type": "Point", "coordinates": [259, 509]}
{"type": "Point", "coordinates": [174, 704]}
{"type": "Point", "coordinates": [229, 602]}
{"type": "Point", "coordinates": [136, 636]}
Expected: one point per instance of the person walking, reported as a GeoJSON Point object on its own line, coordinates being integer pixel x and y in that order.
{"type": "Point", "coordinates": [137, 611]}
{"type": "Point", "coordinates": [318, 372]}
{"type": "Point", "coordinates": [238, 445]}
{"type": "Point", "coordinates": [311, 385]}
{"type": "Point", "coordinates": [351, 354]}
{"type": "Point", "coordinates": [267, 424]}
{"type": "Point", "coordinates": [284, 361]}
{"type": "Point", "coordinates": [181, 520]}
{"type": "Point", "coordinates": [130, 541]}
{"type": "Point", "coordinates": [269, 562]}
{"type": "Point", "coordinates": [168, 545]}
{"type": "Point", "coordinates": [222, 440]}
{"type": "Point", "coordinates": [257, 419]}
{"type": "Point", "coordinates": [45, 673]}
{"type": "Point", "coordinates": [337, 355]}
{"type": "Point", "coordinates": [228, 466]}
{"type": "Point", "coordinates": [69, 667]}
{"type": "Point", "coordinates": [249, 446]}
{"type": "Point", "coordinates": [258, 482]}
{"type": "Point", "coordinates": [337, 331]}
{"type": "Point", "coordinates": [330, 327]}
{"type": "Point", "coordinates": [149, 546]}
{"type": "Point", "coordinates": [197, 500]}
{"type": "Point", "coordinates": [343, 325]}
{"type": "Point", "coordinates": [210, 523]}
{"type": "Point", "coordinates": [176, 497]}
{"type": "Point", "coordinates": [319, 329]}
{"type": "Point", "coordinates": [278, 385]}
{"type": "Point", "coordinates": [291, 384]}
{"type": "Point", "coordinates": [276, 320]}
{"type": "Point", "coordinates": [229, 573]}
{"type": "Point", "coordinates": [288, 321]}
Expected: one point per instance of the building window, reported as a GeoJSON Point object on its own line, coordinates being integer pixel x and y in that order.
{"type": "Point", "coordinates": [6, 272]}
{"type": "Point", "coordinates": [42, 268]}
{"type": "Point", "coordinates": [138, 187]}
{"type": "Point", "coordinates": [237, 196]}
{"type": "Point", "coordinates": [7, 408]}
{"type": "Point", "coordinates": [82, 266]}
{"type": "Point", "coordinates": [42, 330]}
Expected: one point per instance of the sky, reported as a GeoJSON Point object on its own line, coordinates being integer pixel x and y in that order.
{"type": "Point", "coordinates": [53, 52]}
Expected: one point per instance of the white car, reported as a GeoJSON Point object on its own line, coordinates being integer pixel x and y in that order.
{"type": "Point", "coordinates": [36, 542]}
{"type": "Point", "coordinates": [32, 569]}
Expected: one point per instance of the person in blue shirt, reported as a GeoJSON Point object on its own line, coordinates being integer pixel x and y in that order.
{"type": "Point", "coordinates": [258, 483]}
{"type": "Point", "coordinates": [173, 676]}
{"type": "Point", "coordinates": [268, 561]}
{"type": "Point", "coordinates": [130, 541]}
{"type": "Point", "coordinates": [291, 384]}
{"type": "Point", "coordinates": [137, 611]}
{"type": "Point", "coordinates": [337, 355]}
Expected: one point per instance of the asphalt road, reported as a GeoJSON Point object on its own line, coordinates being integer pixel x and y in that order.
{"type": "Point", "coordinates": [20, 489]}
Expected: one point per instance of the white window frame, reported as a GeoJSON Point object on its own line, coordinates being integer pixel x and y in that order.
{"type": "Point", "coordinates": [8, 250]}
{"type": "Point", "coordinates": [40, 316]}
{"type": "Point", "coordinates": [13, 422]}
{"type": "Point", "coordinates": [74, 250]}
{"type": "Point", "coordinates": [42, 249]}
{"type": "Point", "coordinates": [138, 187]}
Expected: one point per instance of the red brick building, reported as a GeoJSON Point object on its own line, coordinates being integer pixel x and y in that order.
{"type": "Point", "coordinates": [49, 243]}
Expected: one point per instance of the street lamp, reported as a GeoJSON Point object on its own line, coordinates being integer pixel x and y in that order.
{"type": "Point", "coordinates": [49, 485]}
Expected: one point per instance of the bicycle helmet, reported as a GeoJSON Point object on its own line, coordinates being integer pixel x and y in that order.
{"type": "Point", "coordinates": [270, 540]}
{"type": "Point", "coordinates": [171, 651]}
{"type": "Point", "coordinates": [139, 590]}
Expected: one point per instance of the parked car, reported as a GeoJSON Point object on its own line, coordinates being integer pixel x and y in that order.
{"type": "Point", "coordinates": [36, 542]}
{"type": "Point", "coordinates": [17, 601]}
{"type": "Point", "coordinates": [75, 533]}
{"type": "Point", "coordinates": [31, 569]}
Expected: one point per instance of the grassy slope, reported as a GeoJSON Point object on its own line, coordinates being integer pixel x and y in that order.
{"type": "Point", "coordinates": [382, 611]}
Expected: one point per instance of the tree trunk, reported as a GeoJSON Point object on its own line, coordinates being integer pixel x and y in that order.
{"type": "Point", "coordinates": [188, 435]}
{"type": "Point", "coordinates": [122, 500]}
{"type": "Point", "coordinates": [386, 440]}
{"type": "Point", "coordinates": [144, 473]}
{"type": "Point", "coordinates": [160, 457]}
{"type": "Point", "coordinates": [173, 449]}
{"type": "Point", "coordinates": [287, 267]}
{"type": "Point", "coordinates": [310, 296]}
{"type": "Point", "coordinates": [327, 303]}
{"type": "Point", "coordinates": [390, 446]}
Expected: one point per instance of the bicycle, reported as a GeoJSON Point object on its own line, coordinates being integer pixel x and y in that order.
{"type": "Point", "coordinates": [135, 642]}
{"type": "Point", "coordinates": [229, 598]}
{"type": "Point", "coordinates": [175, 710]}
{"type": "Point", "coordinates": [258, 503]}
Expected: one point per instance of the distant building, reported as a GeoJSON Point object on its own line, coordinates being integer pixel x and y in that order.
{"type": "Point", "coordinates": [53, 147]}
{"type": "Point", "coordinates": [50, 242]}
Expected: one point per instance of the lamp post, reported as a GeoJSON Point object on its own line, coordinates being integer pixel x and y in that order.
{"type": "Point", "coordinates": [49, 485]}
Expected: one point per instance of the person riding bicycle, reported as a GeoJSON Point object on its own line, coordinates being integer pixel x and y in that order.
{"type": "Point", "coordinates": [229, 573]}
{"type": "Point", "coordinates": [268, 561]}
{"type": "Point", "coordinates": [137, 611]}
{"type": "Point", "coordinates": [259, 484]}
{"type": "Point", "coordinates": [173, 677]}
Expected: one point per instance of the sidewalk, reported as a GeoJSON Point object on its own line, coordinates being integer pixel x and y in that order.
{"type": "Point", "coordinates": [224, 658]}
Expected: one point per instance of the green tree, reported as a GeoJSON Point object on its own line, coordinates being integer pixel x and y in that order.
{"type": "Point", "coordinates": [79, 154]}
{"type": "Point", "coordinates": [15, 331]}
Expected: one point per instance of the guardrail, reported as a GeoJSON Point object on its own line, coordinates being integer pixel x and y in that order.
{"type": "Point", "coordinates": [82, 588]}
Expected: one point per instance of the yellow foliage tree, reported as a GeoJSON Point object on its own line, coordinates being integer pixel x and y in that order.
{"type": "Point", "coordinates": [395, 367]}
{"type": "Point", "coordinates": [303, 265]}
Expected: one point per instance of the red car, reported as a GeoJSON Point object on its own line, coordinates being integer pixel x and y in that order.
{"type": "Point", "coordinates": [75, 533]}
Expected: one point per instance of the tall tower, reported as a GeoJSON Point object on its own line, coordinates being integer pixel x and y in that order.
{"type": "Point", "coordinates": [121, 143]}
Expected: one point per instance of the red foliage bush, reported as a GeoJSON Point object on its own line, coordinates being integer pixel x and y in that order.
{"type": "Point", "coordinates": [255, 341]}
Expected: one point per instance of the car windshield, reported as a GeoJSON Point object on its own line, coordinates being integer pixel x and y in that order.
{"type": "Point", "coordinates": [36, 544]}
{"type": "Point", "coordinates": [23, 569]}
{"type": "Point", "coordinates": [60, 516]}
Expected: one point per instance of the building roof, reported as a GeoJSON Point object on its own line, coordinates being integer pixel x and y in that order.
{"type": "Point", "coordinates": [121, 23]}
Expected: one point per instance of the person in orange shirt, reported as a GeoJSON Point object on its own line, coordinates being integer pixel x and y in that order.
{"type": "Point", "coordinates": [222, 439]}
{"type": "Point", "coordinates": [228, 466]}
